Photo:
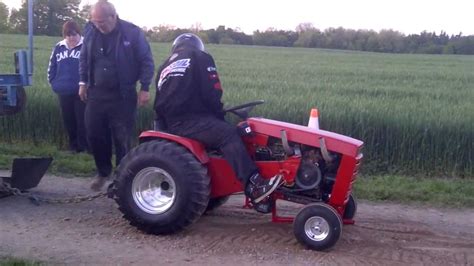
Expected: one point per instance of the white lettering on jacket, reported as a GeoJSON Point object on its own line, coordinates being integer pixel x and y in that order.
{"type": "Point", "coordinates": [177, 68]}
{"type": "Point", "coordinates": [68, 54]}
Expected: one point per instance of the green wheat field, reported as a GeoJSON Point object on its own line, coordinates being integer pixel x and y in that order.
{"type": "Point", "coordinates": [415, 113]}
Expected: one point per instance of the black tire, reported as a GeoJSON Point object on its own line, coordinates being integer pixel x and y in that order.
{"type": "Point", "coordinates": [178, 184]}
{"type": "Point", "coordinates": [351, 208]}
{"type": "Point", "coordinates": [20, 103]}
{"type": "Point", "coordinates": [215, 203]}
{"type": "Point", "coordinates": [317, 226]}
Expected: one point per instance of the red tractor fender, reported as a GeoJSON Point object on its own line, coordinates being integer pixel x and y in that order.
{"type": "Point", "coordinates": [196, 148]}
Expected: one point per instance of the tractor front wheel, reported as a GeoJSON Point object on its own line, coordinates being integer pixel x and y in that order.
{"type": "Point", "coordinates": [318, 226]}
{"type": "Point", "coordinates": [351, 208]}
{"type": "Point", "coordinates": [161, 187]}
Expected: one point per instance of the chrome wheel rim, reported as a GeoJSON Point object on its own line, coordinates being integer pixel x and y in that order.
{"type": "Point", "coordinates": [153, 190]}
{"type": "Point", "coordinates": [316, 228]}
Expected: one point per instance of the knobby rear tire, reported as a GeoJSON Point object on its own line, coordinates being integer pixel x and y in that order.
{"type": "Point", "coordinates": [215, 203]}
{"type": "Point", "coordinates": [192, 186]}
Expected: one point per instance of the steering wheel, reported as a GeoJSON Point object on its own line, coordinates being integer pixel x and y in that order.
{"type": "Point", "coordinates": [243, 110]}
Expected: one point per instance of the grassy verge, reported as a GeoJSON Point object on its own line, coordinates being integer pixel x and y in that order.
{"type": "Point", "coordinates": [454, 192]}
{"type": "Point", "coordinates": [64, 162]}
{"type": "Point", "coordinates": [8, 261]}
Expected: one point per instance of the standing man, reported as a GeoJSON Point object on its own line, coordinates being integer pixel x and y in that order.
{"type": "Point", "coordinates": [114, 56]}
{"type": "Point", "coordinates": [188, 102]}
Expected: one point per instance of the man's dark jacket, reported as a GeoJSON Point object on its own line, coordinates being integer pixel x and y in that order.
{"type": "Point", "coordinates": [133, 57]}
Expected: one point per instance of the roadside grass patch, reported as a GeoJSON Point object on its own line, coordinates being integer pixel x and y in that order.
{"type": "Point", "coordinates": [453, 192]}
{"type": "Point", "coordinates": [9, 261]}
{"type": "Point", "coordinates": [64, 162]}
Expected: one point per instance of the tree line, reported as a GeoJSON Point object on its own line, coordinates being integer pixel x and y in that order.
{"type": "Point", "coordinates": [306, 35]}
{"type": "Point", "coordinates": [49, 15]}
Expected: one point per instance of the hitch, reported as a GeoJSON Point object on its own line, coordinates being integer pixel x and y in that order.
{"type": "Point", "coordinates": [27, 172]}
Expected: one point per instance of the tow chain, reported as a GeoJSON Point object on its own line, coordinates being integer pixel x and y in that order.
{"type": "Point", "coordinates": [5, 187]}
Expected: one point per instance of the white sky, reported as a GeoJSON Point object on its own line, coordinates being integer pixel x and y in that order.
{"type": "Point", "coordinates": [406, 16]}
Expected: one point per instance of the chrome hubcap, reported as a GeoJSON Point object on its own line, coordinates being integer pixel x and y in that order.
{"type": "Point", "coordinates": [153, 190]}
{"type": "Point", "coordinates": [316, 228]}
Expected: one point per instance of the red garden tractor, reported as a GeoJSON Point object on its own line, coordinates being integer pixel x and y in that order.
{"type": "Point", "coordinates": [167, 182]}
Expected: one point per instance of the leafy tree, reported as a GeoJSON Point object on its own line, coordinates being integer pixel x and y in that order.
{"type": "Point", "coordinates": [303, 27]}
{"type": "Point", "coordinates": [273, 37]}
{"type": "Point", "coordinates": [310, 38]}
{"type": "Point", "coordinates": [196, 27]}
{"type": "Point", "coordinates": [221, 35]}
{"type": "Point", "coordinates": [85, 12]}
{"type": "Point", "coordinates": [372, 42]}
{"type": "Point", "coordinates": [18, 21]}
{"type": "Point", "coordinates": [306, 35]}
{"type": "Point", "coordinates": [450, 48]}
{"type": "Point", "coordinates": [390, 41]}
{"type": "Point", "coordinates": [464, 45]}
{"type": "Point", "coordinates": [3, 18]}
{"type": "Point", "coordinates": [239, 37]}
{"type": "Point", "coordinates": [226, 40]}
{"type": "Point", "coordinates": [48, 16]}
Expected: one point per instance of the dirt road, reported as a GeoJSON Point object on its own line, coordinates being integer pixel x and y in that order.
{"type": "Point", "coordinates": [93, 232]}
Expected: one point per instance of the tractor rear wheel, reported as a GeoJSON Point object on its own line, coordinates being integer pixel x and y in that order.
{"type": "Point", "coordinates": [318, 226]}
{"type": "Point", "coordinates": [161, 187]}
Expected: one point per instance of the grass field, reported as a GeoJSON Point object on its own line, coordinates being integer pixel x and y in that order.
{"type": "Point", "coordinates": [415, 113]}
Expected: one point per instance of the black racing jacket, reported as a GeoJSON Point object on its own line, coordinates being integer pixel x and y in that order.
{"type": "Point", "coordinates": [188, 87]}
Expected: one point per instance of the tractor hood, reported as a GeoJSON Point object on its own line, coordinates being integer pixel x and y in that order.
{"type": "Point", "coordinates": [308, 136]}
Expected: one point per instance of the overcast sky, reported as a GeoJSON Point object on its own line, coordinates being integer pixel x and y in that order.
{"type": "Point", "coordinates": [406, 16]}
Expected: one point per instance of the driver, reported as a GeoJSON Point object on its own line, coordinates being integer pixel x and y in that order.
{"type": "Point", "coordinates": [188, 103]}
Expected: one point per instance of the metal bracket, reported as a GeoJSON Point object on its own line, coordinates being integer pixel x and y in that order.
{"type": "Point", "coordinates": [324, 150]}
{"type": "Point", "coordinates": [284, 140]}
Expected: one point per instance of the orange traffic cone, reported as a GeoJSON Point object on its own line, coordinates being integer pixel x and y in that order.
{"type": "Point", "coordinates": [314, 119]}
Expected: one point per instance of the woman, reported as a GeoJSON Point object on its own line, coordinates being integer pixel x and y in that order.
{"type": "Point", "coordinates": [63, 75]}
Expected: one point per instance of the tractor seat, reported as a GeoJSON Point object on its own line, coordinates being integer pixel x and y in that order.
{"type": "Point", "coordinates": [158, 125]}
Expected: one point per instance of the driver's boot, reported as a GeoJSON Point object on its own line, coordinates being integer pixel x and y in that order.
{"type": "Point", "coordinates": [265, 205]}
{"type": "Point", "coordinates": [258, 188]}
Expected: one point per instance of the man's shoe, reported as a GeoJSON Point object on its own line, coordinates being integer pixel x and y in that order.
{"type": "Point", "coordinates": [258, 187]}
{"type": "Point", "coordinates": [98, 182]}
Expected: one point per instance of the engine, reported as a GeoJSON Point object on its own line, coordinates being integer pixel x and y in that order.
{"type": "Point", "coordinates": [315, 176]}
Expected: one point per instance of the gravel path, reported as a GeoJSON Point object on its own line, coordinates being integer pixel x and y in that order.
{"type": "Point", "coordinates": [93, 232]}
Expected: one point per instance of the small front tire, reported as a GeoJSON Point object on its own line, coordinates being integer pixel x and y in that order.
{"type": "Point", "coordinates": [351, 208]}
{"type": "Point", "coordinates": [317, 226]}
